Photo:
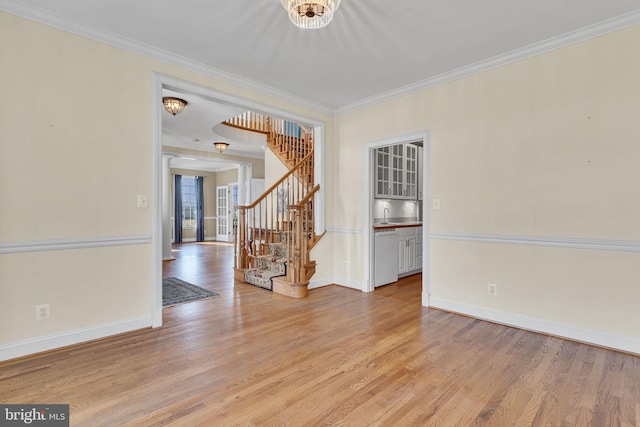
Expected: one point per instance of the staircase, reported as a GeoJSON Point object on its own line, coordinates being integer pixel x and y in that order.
{"type": "Point", "coordinates": [274, 264]}
{"type": "Point", "coordinates": [275, 234]}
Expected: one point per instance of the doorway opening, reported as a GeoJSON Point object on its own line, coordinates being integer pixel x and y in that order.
{"type": "Point", "coordinates": [225, 102]}
{"type": "Point", "coordinates": [396, 188]}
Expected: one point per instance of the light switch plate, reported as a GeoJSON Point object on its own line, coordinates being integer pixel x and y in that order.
{"type": "Point", "coordinates": [143, 201]}
{"type": "Point", "coordinates": [436, 204]}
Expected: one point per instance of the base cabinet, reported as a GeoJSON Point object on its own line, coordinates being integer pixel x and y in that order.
{"type": "Point", "coordinates": [406, 254]}
{"type": "Point", "coordinates": [409, 250]}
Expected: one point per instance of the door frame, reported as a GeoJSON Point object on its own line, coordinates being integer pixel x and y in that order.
{"type": "Point", "coordinates": [369, 147]}
{"type": "Point", "coordinates": [160, 81]}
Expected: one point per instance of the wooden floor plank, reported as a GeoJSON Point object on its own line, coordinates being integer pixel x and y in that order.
{"type": "Point", "coordinates": [337, 357]}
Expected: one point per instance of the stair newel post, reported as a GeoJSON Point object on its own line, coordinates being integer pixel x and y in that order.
{"type": "Point", "coordinates": [243, 241]}
{"type": "Point", "coordinates": [297, 245]}
{"type": "Point", "coordinates": [305, 232]}
{"type": "Point", "coordinates": [235, 246]}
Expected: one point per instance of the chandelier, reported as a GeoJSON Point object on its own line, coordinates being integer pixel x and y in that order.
{"type": "Point", "coordinates": [310, 14]}
{"type": "Point", "coordinates": [220, 146]}
{"type": "Point", "coordinates": [174, 105]}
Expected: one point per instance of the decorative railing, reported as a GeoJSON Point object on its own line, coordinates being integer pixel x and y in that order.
{"type": "Point", "coordinates": [284, 212]}
{"type": "Point", "coordinates": [250, 121]}
{"type": "Point", "coordinates": [290, 141]}
{"type": "Point", "coordinates": [302, 237]}
{"type": "Point", "coordinates": [274, 217]}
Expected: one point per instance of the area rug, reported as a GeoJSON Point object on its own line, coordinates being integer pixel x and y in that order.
{"type": "Point", "coordinates": [176, 291]}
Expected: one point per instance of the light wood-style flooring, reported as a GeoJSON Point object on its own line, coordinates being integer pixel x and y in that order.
{"type": "Point", "coordinates": [337, 357]}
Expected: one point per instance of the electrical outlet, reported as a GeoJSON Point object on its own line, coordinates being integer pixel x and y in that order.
{"type": "Point", "coordinates": [42, 312]}
{"type": "Point", "coordinates": [492, 289]}
{"type": "Point", "coordinates": [345, 265]}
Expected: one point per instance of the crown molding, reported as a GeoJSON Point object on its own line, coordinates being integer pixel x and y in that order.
{"type": "Point", "coordinates": [75, 27]}
{"type": "Point", "coordinates": [566, 39]}
{"type": "Point", "coordinates": [69, 25]}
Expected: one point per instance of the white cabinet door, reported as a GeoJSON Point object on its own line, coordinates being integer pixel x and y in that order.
{"type": "Point", "coordinates": [410, 190]}
{"type": "Point", "coordinates": [382, 172]}
{"type": "Point", "coordinates": [397, 171]}
{"type": "Point", "coordinates": [409, 250]}
{"type": "Point", "coordinates": [411, 253]}
{"type": "Point", "coordinates": [402, 255]}
{"type": "Point", "coordinates": [419, 248]}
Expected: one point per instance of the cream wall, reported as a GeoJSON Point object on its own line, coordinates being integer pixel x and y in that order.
{"type": "Point", "coordinates": [546, 148]}
{"type": "Point", "coordinates": [541, 147]}
{"type": "Point", "coordinates": [75, 152]}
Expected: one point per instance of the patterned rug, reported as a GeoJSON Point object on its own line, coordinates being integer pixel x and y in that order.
{"type": "Point", "coordinates": [176, 291]}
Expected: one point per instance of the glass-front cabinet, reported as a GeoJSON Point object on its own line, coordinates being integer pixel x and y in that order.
{"type": "Point", "coordinates": [383, 172]}
{"type": "Point", "coordinates": [397, 172]}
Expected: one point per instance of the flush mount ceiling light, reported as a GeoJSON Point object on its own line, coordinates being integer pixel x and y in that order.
{"type": "Point", "coordinates": [310, 14]}
{"type": "Point", "coordinates": [174, 105]}
{"type": "Point", "coordinates": [220, 146]}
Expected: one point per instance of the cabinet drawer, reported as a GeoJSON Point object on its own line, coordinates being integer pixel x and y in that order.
{"type": "Point", "coordinates": [406, 232]}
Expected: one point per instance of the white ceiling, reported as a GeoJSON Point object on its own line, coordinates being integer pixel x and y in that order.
{"type": "Point", "coordinates": [199, 126]}
{"type": "Point", "coordinates": [371, 48]}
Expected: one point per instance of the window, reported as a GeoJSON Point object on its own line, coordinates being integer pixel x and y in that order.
{"type": "Point", "coordinates": [189, 197]}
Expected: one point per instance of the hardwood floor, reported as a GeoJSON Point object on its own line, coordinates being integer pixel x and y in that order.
{"type": "Point", "coordinates": [338, 357]}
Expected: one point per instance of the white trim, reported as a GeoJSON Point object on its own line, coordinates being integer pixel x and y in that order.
{"type": "Point", "coordinates": [156, 205]}
{"type": "Point", "coordinates": [423, 136]}
{"type": "Point", "coordinates": [63, 339]}
{"type": "Point", "coordinates": [75, 27]}
{"type": "Point", "coordinates": [566, 39]}
{"type": "Point", "coordinates": [558, 242]}
{"type": "Point", "coordinates": [162, 80]}
{"type": "Point", "coordinates": [328, 281]}
{"type": "Point", "coordinates": [134, 46]}
{"type": "Point", "coordinates": [426, 299]}
{"type": "Point", "coordinates": [66, 244]}
{"type": "Point", "coordinates": [590, 336]}
{"type": "Point", "coordinates": [344, 230]}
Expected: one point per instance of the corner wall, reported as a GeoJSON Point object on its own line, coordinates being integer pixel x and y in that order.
{"type": "Point", "coordinates": [75, 152]}
{"type": "Point", "coordinates": [535, 164]}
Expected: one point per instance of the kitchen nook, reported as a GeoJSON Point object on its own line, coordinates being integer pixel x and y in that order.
{"type": "Point", "coordinates": [397, 211]}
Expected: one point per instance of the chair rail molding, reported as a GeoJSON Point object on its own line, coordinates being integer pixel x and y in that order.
{"type": "Point", "coordinates": [66, 244]}
{"type": "Point", "coordinates": [558, 242]}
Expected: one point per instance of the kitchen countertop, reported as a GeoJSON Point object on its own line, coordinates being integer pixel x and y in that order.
{"type": "Point", "coordinates": [380, 226]}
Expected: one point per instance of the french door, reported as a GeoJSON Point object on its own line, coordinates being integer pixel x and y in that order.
{"type": "Point", "coordinates": [222, 195]}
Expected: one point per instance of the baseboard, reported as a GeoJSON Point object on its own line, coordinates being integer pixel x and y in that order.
{"type": "Point", "coordinates": [347, 283]}
{"type": "Point", "coordinates": [64, 339]}
{"type": "Point", "coordinates": [426, 301]}
{"type": "Point", "coordinates": [590, 336]}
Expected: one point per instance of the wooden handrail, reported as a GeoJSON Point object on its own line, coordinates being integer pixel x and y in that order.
{"type": "Point", "coordinates": [306, 198]}
{"type": "Point", "coordinates": [277, 183]}
{"type": "Point", "coordinates": [284, 212]}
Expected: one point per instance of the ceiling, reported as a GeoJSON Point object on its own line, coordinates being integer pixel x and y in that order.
{"type": "Point", "coordinates": [371, 48]}
{"type": "Point", "coordinates": [199, 126]}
